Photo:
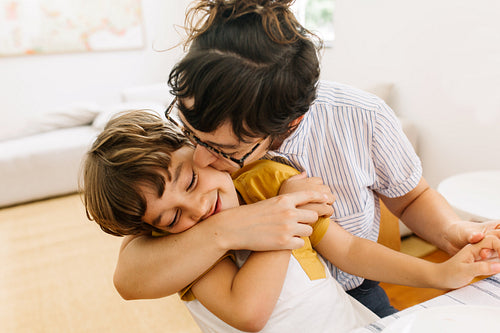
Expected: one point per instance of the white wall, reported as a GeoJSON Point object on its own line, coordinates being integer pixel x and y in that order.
{"type": "Point", "coordinates": [444, 58]}
{"type": "Point", "coordinates": [36, 83]}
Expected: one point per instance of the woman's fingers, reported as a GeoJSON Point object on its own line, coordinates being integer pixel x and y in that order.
{"type": "Point", "coordinates": [486, 249]}
{"type": "Point", "coordinates": [325, 210]}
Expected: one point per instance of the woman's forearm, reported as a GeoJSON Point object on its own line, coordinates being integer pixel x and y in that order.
{"type": "Point", "coordinates": [428, 214]}
{"type": "Point", "coordinates": [432, 218]}
{"type": "Point", "coordinates": [151, 267]}
{"type": "Point", "coordinates": [154, 267]}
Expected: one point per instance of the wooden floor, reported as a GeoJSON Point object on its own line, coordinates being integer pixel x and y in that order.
{"type": "Point", "coordinates": [56, 276]}
{"type": "Point", "coordinates": [56, 268]}
{"type": "Point", "coordinates": [402, 297]}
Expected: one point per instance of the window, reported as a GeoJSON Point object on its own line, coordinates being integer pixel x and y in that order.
{"type": "Point", "coordinates": [317, 16]}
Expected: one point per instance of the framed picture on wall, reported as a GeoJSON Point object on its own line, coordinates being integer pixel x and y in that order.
{"type": "Point", "coordinates": [60, 26]}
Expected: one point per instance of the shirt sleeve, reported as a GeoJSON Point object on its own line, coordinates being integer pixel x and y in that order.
{"type": "Point", "coordinates": [397, 166]}
{"type": "Point", "coordinates": [262, 180]}
{"type": "Point", "coordinates": [319, 230]}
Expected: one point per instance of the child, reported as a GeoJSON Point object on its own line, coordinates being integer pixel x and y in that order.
{"type": "Point", "coordinates": [139, 177]}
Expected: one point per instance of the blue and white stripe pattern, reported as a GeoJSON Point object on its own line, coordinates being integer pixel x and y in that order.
{"type": "Point", "coordinates": [355, 143]}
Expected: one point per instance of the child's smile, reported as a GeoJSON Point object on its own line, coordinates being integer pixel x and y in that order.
{"type": "Point", "coordinates": [191, 194]}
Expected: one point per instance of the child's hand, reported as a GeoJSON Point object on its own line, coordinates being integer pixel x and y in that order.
{"type": "Point", "coordinates": [459, 270]}
{"type": "Point", "coordinates": [301, 182]}
{"type": "Point", "coordinates": [490, 228]}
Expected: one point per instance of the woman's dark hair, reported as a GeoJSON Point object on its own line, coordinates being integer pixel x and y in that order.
{"type": "Point", "coordinates": [250, 63]}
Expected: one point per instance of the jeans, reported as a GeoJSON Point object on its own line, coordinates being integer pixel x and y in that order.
{"type": "Point", "coordinates": [371, 295]}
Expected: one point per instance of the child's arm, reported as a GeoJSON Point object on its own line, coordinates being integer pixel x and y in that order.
{"type": "Point", "coordinates": [371, 260]}
{"type": "Point", "coordinates": [153, 267]}
{"type": "Point", "coordinates": [244, 298]}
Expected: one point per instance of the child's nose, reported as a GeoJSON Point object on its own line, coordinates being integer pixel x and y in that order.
{"type": "Point", "coordinates": [199, 208]}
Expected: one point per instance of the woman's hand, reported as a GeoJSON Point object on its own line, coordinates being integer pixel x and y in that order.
{"type": "Point", "coordinates": [301, 182]}
{"type": "Point", "coordinates": [464, 232]}
{"type": "Point", "coordinates": [467, 264]}
{"type": "Point", "coordinates": [272, 224]}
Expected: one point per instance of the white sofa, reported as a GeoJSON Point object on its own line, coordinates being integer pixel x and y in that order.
{"type": "Point", "coordinates": [42, 165]}
{"type": "Point", "coordinates": [46, 161]}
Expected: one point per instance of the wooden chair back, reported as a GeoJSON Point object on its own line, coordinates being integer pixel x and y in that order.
{"type": "Point", "coordinates": [389, 229]}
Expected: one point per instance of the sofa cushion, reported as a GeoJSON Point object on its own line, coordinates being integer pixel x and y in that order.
{"type": "Point", "coordinates": [157, 93]}
{"type": "Point", "coordinates": [72, 115]}
{"type": "Point", "coordinates": [43, 165]}
{"type": "Point", "coordinates": [102, 119]}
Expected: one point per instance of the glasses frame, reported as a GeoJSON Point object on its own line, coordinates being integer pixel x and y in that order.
{"type": "Point", "coordinates": [197, 141]}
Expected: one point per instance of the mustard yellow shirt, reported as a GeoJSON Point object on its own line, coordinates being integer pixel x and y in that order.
{"type": "Point", "coordinates": [262, 180]}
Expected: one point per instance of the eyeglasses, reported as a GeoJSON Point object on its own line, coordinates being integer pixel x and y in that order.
{"type": "Point", "coordinates": [197, 141]}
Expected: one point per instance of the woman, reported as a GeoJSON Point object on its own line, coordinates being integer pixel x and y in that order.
{"type": "Point", "coordinates": [249, 85]}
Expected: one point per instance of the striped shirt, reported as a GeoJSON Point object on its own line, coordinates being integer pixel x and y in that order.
{"type": "Point", "coordinates": [354, 142]}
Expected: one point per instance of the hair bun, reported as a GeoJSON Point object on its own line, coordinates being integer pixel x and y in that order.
{"type": "Point", "coordinates": [277, 18]}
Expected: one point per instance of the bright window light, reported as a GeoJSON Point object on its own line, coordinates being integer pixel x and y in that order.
{"type": "Point", "coordinates": [317, 16]}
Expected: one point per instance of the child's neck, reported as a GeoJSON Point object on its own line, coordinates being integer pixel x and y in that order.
{"type": "Point", "coordinates": [240, 199]}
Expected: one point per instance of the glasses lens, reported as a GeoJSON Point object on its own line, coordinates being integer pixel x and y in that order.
{"type": "Point", "coordinates": [214, 151]}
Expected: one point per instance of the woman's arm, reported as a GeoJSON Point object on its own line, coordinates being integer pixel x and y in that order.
{"type": "Point", "coordinates": [373, 261]}
{"type": "Point", "coordinates": [244, 298]}
{"type": "Point", "coordinates": [150, 267]}
{"type": "Point", "coordinates": [154, 267]}
{"type": "Point", "coordinates": [428, 214]}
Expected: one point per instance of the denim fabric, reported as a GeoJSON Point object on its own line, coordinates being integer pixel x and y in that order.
{"type": "Point", "coordinates": [371, 295]}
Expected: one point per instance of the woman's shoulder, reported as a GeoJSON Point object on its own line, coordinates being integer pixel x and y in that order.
{"type": "Point", "coordinates": [335, 94]}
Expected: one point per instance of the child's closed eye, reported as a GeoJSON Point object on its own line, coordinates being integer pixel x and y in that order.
{"type": "Point", "coordinates": [194, 181]}
{"type": "Point", "coordinates": [191, 186]}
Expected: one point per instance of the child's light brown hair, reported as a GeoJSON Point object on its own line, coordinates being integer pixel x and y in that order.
{"type": "Point", "coordinates": [129, 152]}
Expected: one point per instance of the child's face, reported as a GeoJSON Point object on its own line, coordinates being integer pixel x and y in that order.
{"type": "Point", "coordinates": [192, 195]}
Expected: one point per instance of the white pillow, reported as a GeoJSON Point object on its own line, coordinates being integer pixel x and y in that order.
{"type": "Point", "coordinates": [102, 119]}
{"type": "Point", "coordinates": [72, 115]}
{"type": "Point", "coordinates": [154, 93]}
